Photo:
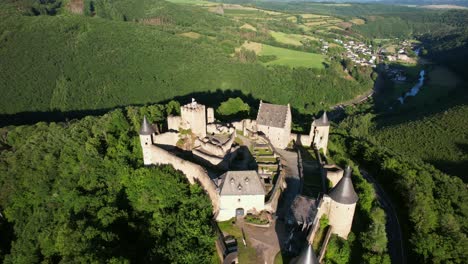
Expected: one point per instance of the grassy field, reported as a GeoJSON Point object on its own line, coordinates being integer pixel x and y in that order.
{"type": "Point", "coordinates": [293, 58]}
{"type": "Point", "coordinates": [292, 39]}
{"type": "Point", "coordinates": [358, 21]}
{"type": "Point", "coordinates": [192, 35]}
{"type": "Point", "coordinates": [247, 254]}
{"type": "Point", "coordinates": [248, 26]}
{"type": "Point", "coordinates": [193, 2]}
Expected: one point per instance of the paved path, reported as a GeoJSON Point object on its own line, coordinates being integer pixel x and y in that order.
{"type": "Point", "coordinates": [395, 239]}
{"type": "Point", "coordinates": [292, 179]}
{"type": "Point", "coordinates": [266, 240]}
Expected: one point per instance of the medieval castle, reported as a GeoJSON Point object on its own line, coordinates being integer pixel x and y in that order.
{"type": "Point", "coordinates": [246, 187]}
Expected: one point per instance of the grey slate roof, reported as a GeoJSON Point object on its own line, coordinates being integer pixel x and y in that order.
{"type": "Point", "coordinates": [241, 183]}
{"type": "Point", "coordinates": [272, 115]}
{"type": "Point", "coordinates": [307, 256]}
{"type": "Point", "coordinates": [322, 121]}
{"type": "Point", "coordinates": [146, 128]}
{"type": "Point", "coordinates": [344, 192]}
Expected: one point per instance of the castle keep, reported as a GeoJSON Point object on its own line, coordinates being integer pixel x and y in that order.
{"type": "Point", "coordinates": [275, 122]}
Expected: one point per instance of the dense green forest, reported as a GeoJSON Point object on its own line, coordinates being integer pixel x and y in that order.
{"type": "Point", "coordinates": [78, 192]}
{"type": "Point", "coordinates": [75, 62]}
{"type": "Point", "coordinates": [432, 206]}
{"type": "Point", "coordinates": [439, 139]}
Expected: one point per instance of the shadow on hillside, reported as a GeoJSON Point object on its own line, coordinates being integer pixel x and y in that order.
{"type": "Point", "coordinates": [391, 112]}
{"type": "Point", "coordinates": [209, 98]}
{"type": "Point", "coordinates": [452, 167]}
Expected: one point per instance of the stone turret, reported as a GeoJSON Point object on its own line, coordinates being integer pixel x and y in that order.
{"type": "Point", "coordinates": [319, 132]}
{"type": "Point", "coordinates": [343, 204]}
{"type": "Point", "coordinates": [307, 256]}
{"type": "Point", "coordinates": [146, 140]}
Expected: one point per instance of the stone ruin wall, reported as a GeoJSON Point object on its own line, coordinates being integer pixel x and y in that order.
{"type": "Point", "coordinates": [193, 172]}
{"type": "Point", "coordinates": [210, 117]}
{"type": "Point", "coordinates": [174, 123]}
{"type": "Point", "coordinates": [218, 129]}
{"type": "Point", "coordinates": [168, 138]}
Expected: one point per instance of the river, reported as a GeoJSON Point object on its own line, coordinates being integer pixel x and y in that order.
{"type": "Point", "coordinates": [415, 89]}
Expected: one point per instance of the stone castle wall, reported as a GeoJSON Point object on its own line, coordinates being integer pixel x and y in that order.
{"type": "Point", "coordinates": [193, 172]}
{"type": "Point", "coordinates": [168, 138]}
{"type": "Point", "coordinates": [300, 139]}
{"type": "Point", "coordinates": [174, 123]}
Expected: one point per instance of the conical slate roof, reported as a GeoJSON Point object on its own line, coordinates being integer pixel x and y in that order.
{"type": "Point", "coordinates": [344, 192]}
{"type": "Point", "coordinates": [323, 120]}
{"type": "Point", "coordinates": [307, 256]}
{"type": "Point", "coordinates": [146, 128]}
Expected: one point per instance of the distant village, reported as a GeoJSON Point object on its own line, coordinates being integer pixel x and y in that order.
{"type": "Point", "coordinates": [253, 172]}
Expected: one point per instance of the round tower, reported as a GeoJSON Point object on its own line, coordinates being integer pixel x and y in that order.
{"type": "Point", "coordinates": [319, 132]}
{"type": "Point", "coordinates": [307, 256]}
{"type": "Point", "coordinates": [342, 206]}
{"type": "Point", "coordinates": [146, 140]}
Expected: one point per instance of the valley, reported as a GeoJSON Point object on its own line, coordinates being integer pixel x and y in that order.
{"type": "Point", "coordinates": [83, 81]}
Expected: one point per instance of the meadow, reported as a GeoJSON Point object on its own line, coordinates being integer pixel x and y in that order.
{"type": "Point", "coordinates": [293, 58]}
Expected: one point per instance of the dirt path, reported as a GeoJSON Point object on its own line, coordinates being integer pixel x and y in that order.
{"type": "Point", "coordinates": [76, 6]}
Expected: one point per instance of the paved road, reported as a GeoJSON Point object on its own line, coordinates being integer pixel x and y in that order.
{"type": "Point", "coordinates": [395, 239]}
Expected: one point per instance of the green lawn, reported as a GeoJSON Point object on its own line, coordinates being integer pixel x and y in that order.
{"type": "Point", "coordinates": [192, 2]}
{"type": "Point", "coordinates": [247, 254]}
{"type": "Point", "coordinates": [293, 58]}
{"type": "Point", "coordinates": [292, 39]}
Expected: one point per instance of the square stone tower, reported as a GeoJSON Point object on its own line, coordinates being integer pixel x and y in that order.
{"type": "Point", "coordinates": [194, 114]}
{"type": "Point", "coordinates": [275, 122]}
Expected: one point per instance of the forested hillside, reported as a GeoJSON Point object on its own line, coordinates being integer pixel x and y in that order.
{"type": "Point", "coordinates": [78, 192]}
{"type": "Point", "coordinates": [77, 62]}
{"type": "Point", "coordinates": [439, 139]}
{"type": "Point", "coordinates": [431, 205]}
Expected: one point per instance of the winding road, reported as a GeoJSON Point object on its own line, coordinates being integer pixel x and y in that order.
{"type": "Point", "coordinates": [395, 239]}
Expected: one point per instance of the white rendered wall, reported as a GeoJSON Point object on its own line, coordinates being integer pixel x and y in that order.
{"type": "Point", "coordinates": [229, 203]}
